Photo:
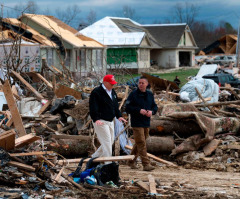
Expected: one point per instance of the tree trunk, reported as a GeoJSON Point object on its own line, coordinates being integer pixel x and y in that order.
{"type": "Point", "coordinates": [160, 144]}
{"type": "Point", "coordinates": [70, 147]}
{"type": "Point", "coordinates": [182, 128]}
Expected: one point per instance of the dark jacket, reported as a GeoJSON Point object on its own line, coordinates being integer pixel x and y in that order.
{"type": "Point", "coordinates": [136, 101]}
{"type": "Point", "coordinates": [102, 106]}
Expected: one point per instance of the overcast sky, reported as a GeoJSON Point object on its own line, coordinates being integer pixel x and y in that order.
{"type": "Point", "coordinates": [147, 10]}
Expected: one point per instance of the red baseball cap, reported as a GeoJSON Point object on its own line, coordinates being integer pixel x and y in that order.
{"type": "Point", "coordinates": [109, 78]}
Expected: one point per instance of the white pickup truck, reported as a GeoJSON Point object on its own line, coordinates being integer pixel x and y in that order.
{"type": "Point", "coordinates": [224, 60]}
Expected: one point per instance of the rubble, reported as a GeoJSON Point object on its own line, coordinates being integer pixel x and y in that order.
{"type": "Point", "coordinates": [44, 135]}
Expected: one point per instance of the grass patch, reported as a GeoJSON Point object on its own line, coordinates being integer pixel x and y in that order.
{"type": "Point", "coordinates": [182, 74]}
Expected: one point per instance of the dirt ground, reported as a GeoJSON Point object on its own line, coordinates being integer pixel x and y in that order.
{"type": "Point", "coordinates": [199, 183]}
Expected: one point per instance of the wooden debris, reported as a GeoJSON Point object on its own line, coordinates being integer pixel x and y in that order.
{"type": "Point", "coordinates": [26, 139]}
{"type": "Point", "coordinates": [124, 98]}
{"type": "Point", "coordinates": [207, 105]}
{"type": "Point", "coordinates": [156, 158]}
{"type": "Point", "coordinates": [44, 80]}
{"type": "Point", "coordinates": [152, 184]}
{"type": "Point", "coordinates": [44, 107]}
{"type": "Point", "coordinates": [59, 175]}
{"type": "Point", "coordinates": [29, 87]}
{"type": "Point", "coordinates": [13, 108]}
{"type": "Point", "coordinates": [21, 166]}
{"type": "Point", "coordinates": [74, 137]}
{"type": "Point", "coordinates": [31, 153]}
{"type": "Point", "coordinates": [62, 91]}
{"type": "Point", "coordinates": [101, 159]}
{"type": "Point", "coordinates": [7, 140]}
{"type": "Point", "coordinates": [142, 185]}
{"type": "Point", "coordinates": [211, 146]}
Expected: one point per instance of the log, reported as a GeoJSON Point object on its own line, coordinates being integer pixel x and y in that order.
{"type": "Point", "coordinates": [158, 145]}
{"type": "Point", "coordinates": [183, 129]}
{"type": "Point", "coordinates": [70, 147]}
{"type": "Point", "coordinates": [218, 103]}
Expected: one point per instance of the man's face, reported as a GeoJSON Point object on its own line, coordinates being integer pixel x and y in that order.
{"type": "Point", "coordinates": [142, 84]}
{"type": "Point", "coordinates": [108, 85]}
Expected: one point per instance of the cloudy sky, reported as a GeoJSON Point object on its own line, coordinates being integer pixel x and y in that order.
{"type": "Point", "coordinates": [147, 11]}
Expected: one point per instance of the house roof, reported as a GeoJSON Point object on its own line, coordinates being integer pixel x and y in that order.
{"type": "Point", "coordinates": [62, 30]}
{"type": "Point", "coordinates": [27, 33]}
{"type": "Point", "coordinates": [109, 31]}
{"type": "Point", "coordinates": [167, 35]}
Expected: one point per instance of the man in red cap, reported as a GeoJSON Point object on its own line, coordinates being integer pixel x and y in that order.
{"type": "Point", "coordinates": [103, 105]}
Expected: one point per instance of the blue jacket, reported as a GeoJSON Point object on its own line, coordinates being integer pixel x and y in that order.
{"type": "Point", "coordinates": [136, 101]}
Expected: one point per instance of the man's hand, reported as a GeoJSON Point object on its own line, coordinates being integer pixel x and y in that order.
{"type": "Point", "coordinates": [143, 112]}
{"type": "Point", "coordinates": [121, 119]}
{"type": "Point", "coordinates": [99, 123]}
{"type": "Point", "coordinates": [149, 113]}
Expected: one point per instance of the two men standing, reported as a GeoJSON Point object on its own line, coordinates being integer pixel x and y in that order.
{"type": "Point", "coordinates": [104, 108]}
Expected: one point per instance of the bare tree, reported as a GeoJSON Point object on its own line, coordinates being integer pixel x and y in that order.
{"type": "Point", "coordinates": [70, 15]}
{"type": "Point", "coordinates": [28, 7]}
{"type": "Point", "coordinates": [128, 12]}
{"type": "Point", "coordinates": [185, 13]}
{"type": "Point", "coordinates": [91, 17]}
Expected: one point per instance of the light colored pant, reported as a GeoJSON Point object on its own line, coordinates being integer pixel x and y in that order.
{"type": "Point", "coordinates": [105, 135]}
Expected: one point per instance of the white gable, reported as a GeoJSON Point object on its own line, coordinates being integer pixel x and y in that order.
{"type": "Point", "coordinates": [107, 32]}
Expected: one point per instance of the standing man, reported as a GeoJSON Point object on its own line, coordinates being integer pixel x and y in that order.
{"type": "Point", "coordinates": [103, 105]}
{"type": "Point", "coordinates": [141, 106]}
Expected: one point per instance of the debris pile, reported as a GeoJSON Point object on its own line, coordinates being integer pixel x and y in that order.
{"type": "Point", "coordinates": [45, 130]}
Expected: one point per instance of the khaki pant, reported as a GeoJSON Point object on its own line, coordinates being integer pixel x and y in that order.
{"type": "Point", "coordinates": [105, 135]}
{"type": "Point", "coordinates": [140, 149]}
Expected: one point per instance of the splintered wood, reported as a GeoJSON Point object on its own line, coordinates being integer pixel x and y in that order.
{"type": "Point", "coordinates": [13, 108]}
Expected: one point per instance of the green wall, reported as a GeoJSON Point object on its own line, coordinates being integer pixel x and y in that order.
{"type": "Point", "coordinates": [121, 55]}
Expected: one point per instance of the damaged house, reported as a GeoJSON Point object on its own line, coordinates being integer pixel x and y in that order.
{"type": "Point", "coordinates": [137, 46]}
{"type": "Point", "coordinates": [224, 45]}
{"type": "Point", "coordinates": [177, 42]}
{"type": "Point", "coordinates": [128, 45]}
{"type": "Point", "coordinates": [79, 54]}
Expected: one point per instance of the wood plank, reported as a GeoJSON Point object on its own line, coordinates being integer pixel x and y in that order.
{"type": "Point", "coordinates": [15, 93]}
{"type": "Point", "coordinates": [44, 107]}
{"type": "Point", "coordinates": [156, 158]}
{"type": "Point", "coordinates": [31, 153]}
{"type": "Point", "coordinates": [59, 174]}
{"type": "Point", "coordinates": [143, 185]}
{"type": "Point", "coordinates": [17, 120]}
{"type": "Point", "coordinates": [152, 184]}
{"type": "Point", "coordinates": [29, 87]}
{"type": "Point", "coordinates": [26, 139]}
{"type": "Point", "coordinates": [44, 80]}
{"type": "Point", "coordinates": [7, 140]}
{"type": "Point", "coordinates": [101, 159]}
{"type": "Point", "coordinates": [78, 137]}
{"type": "Point", "coordinates": [46, 160]}
{"type": "Point", "coordinates": [21, 165]}
{"type": "Point", "coordinates": [10, 119]}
